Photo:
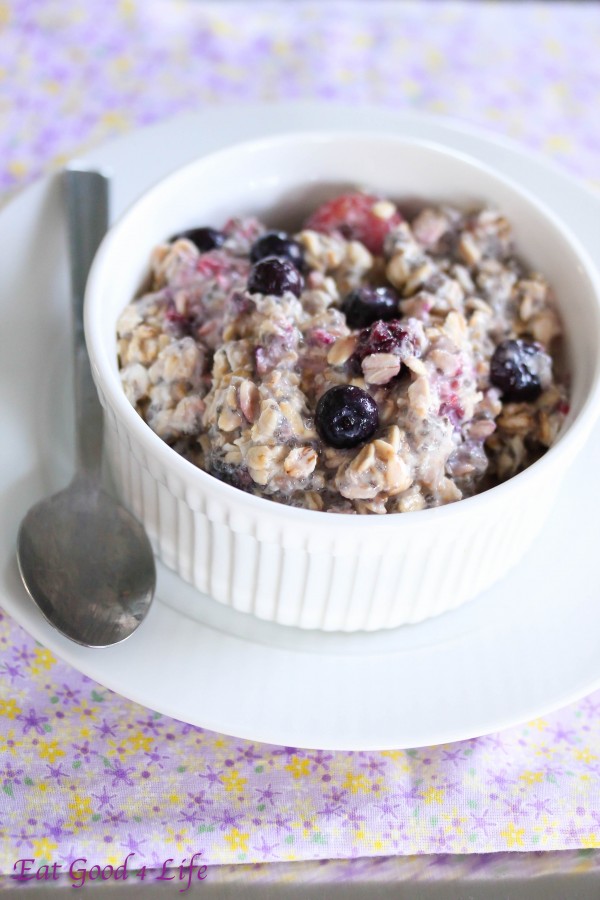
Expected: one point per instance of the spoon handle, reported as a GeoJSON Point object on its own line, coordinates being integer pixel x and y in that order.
{"type": "Point", "coordinates": [87, 204]}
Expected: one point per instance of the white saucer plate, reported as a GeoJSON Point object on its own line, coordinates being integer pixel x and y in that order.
{"type": "Point", "coordinates": [523, 649]}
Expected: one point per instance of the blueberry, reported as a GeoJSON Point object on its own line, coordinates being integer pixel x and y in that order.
{"type": "Point", "coordinates": [275, 276]}
{"type": "Point", "coordinates": [205, 239]}
{"type": "Point", "coordinates": [366, 305]}
{"type": "Point", "coordinates": [238, 477]}
{"type": "Point", "coordinates": [277, 243]}
{"type": "Point", "coordinates": [346, 416]}
{"type": "Point", "coordinates": [515, 368]}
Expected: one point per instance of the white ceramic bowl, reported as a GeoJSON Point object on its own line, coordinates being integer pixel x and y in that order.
{"type": "Point", "coordinates": [314, 569]}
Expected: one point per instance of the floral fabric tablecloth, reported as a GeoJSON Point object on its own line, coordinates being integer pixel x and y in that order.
{"type": "Point", "coordinates": [86, 773]}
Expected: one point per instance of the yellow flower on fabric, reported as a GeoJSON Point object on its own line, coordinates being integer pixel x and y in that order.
{"type": "Point", "coordinates": [174, 799]}
{"type": "Point", "coordinates": [437, 106]}
{"type": "Point", "coordinates": [237, 840]}
{"type": "Point", "coordinates": [178, 838]}
{"type": "Point", "coordinates": [9, 708]}
{"type": "Point", "coordinates": [281, 47]}
{"type": "Point", "coordinates": [298, 767]}
{"type": "Point", "coordinates": [8, 743]}
{"type": "Point", "coordinates": [553, 47]}
{"type": "Point", "coordinates": [590, 841]}
{"type": "Point", "coordinates": [560, 143]}
{"type": "Point", "coordinates": [118, 748]}
{"type": "Point", "coordinates": [222, 28]}
{"type": "Point", "coordinates": [434, 59]}
{"type": "Point", "coordinates": [43, 660]}
{"type": "Point", "coordinates": [307, 827]}
{"type": "Point", "coordinates": [356, 783]}
{"type": "Point", "coordinates": [114, 120]}
{"type": "Point", "coordinates": [540, 724]}
{"type": "Point", "coordinates": [585, 755]}
{"type": "Point", "coordinates": [121, 65]}
{"type": "Point", "coordinates": [363, 41]}
{"type": "Point", "coordinates": [60, 159]}
{"type": "Point", "coordinates": [398, 756]}
{"type": "Point", "coordinates": [543, 750]}
{"type": "Point", "coordinates": [235, 73]}
{"type": "Point", "coordinates": [433, 795]}
{"type": "Point", "coordinates": [532, 777]}
{"type": "Point", "coordinates": [127, 8]}
{"type": "Point", "coordinates": [85, 711]}
{"type": "Point", "coordinates": [50, 750]}
{"type": "Point", "coordinates": [140, 741]}
{"type": "Point", "coordinates": [455, 820]}
{"type": "Point", "coordinates": [410, 87]}
{"type": "Point", "coordinates": [560, 91]}
{"type": "Point", "coordinates": [17, 168]}
{"type": "Point", "coordinates": [513, 835]}
{"type": "Point", "coordinates": [4, 13]}
{"type": "Point", "coordinates": [43, 849]}
{"type": "Point", "coordinates": [81, 806]}
{"type": "Point", "coordinates": [233, 781]}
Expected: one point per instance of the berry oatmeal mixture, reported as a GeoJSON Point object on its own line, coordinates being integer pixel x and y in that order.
{"type": "Point", "coordinates": [370, 363]}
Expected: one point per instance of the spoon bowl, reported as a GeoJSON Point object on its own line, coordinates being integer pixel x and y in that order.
{"type": "Point", "coordinates": [85, 561]}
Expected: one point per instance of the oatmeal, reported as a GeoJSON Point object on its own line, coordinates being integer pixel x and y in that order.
{"type": "Point", "coordinates": [370, 363]}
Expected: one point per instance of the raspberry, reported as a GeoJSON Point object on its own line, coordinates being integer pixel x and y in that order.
{"type": "Point", "coordinates": [383, 337]}
{"type": "Point", "coordinates": [352, 216]}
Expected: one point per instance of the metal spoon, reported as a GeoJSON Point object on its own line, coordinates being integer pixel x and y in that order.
{"type": "Point", "coordinates": [85, 561]}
